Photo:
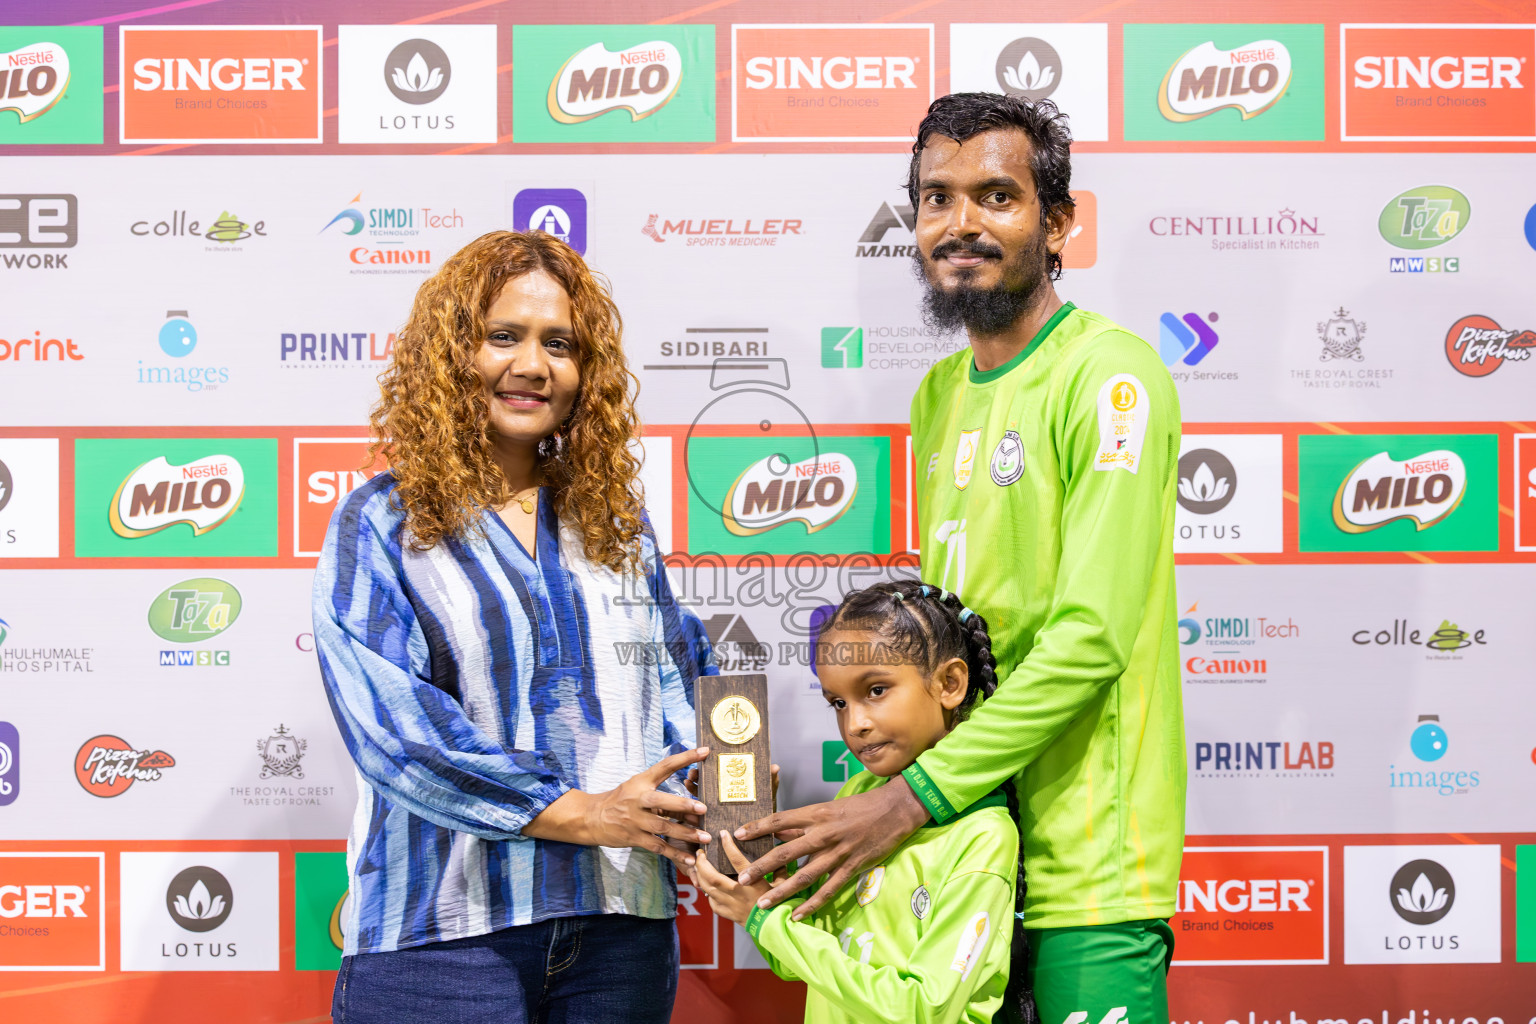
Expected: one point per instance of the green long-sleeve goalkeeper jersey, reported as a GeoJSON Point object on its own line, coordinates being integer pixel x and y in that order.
{"type": "Point", "coordinates": [1045, 492]}
{"type": "Point", "coordinates": [923, 938]}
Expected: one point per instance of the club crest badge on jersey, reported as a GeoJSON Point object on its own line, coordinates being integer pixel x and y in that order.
{"type": "Point", "coordinates": [869, 885]}
{"type": "Point", "coordinates": [965, 456]}
{"type": "Point", "coordinates": [1008, 459]}
{"type": "Point", "coordinates": [1124, 408]}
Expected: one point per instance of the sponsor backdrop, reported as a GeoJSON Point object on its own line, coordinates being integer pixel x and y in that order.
{"type": "Point", "coordinates": [214, 215]}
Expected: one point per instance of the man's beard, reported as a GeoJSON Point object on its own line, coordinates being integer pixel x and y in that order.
{"type": "Point", "coordinates": [983, 312]}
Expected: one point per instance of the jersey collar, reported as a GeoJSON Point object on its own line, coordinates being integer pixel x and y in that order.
{"type": "Point", "coordinates": [988, 376]}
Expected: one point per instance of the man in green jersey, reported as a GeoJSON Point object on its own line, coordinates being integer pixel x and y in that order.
{"type": "Point", "coordinates": [1046, 471]}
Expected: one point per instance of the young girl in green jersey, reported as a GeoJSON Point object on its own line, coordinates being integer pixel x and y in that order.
{"type": "Point", "coordinates": [931, 934]}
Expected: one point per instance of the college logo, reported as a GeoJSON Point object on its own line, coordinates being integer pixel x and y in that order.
{"type": "Point", "coordinates": [198, 911]}
{"type": "Point", "coordinates": [1007, 464]}
{"type": "Point", "coordinates": [10, 760]}
{"type": "Point", "coordinates": [1213, 82]}
{"type": "Point", "coordinates": [204, 84]}
{"type": "Point", "coordinates": [194, 610]}
{"type": "Point", "coordinates": [1358, 495]}
{"type": "Point", "coordinates": [51, 909]}
{"type": "Point", "coordinates": [1253, 905]}
{"type": "Point", "coordinates": [417, 83]}
{"type": "Point", "coordinates": [1341, 337]}
{"type": "Point", "coordinates": [1065, 63]}
{"type": "Point", "coordinates": [1249, 79]}
{"type": "Point", "coordinates": [829, 83]}
{"type": "Point", "coordinates": [199, 899]}
{"type": "Point", "coordinates": [106, 765]}
{"type": "Point", "coordinates": [50, 85]}
{"type": "Point", "coordinates": [773, 491]}
{"type": "Point", "coordinates": [1422, 904]}
{"type": "Point", "coordinates": [1444, 641]}
{"type": "Point", "coordinates": [613, 83]}
{"type": "Point", "coordinates": [1476, 345]}
{"type": "Point", "coordinates": [1187, 339]}
{"type": "Point", "coordinates": [1207, 481]}
{"type": "Point", "coordinates": [37, 222]}
{"type": "Point", "coordinates": [561, 212]}
{"type": "Point", "coordinates": [157, 495]}
{"type": "Point", "coordinates": [1455, 82]}
{"type": "Point", "coordinates": [226, 231]}
{"type": "Point", "coordinates": [1424, 217]}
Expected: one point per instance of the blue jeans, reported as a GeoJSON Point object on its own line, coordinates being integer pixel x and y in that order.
{"type": "Point", "coordinates": [603, 969]}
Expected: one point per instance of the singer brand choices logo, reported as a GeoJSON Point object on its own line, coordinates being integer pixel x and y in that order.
{"type": "Point", "coordinates": [50, 911]}
{"type": "Point", "coordinates": [1453, 82]}
{"type": "Point", "coordinates": [202, 84]}
{"type": "Point", "coordinates": [613, 83]}
{"type": "Point", "coordinates": [1253, 905]}
{"type": "Point", "coordinates": [107, 765]}
{"type": "Point", "coordinates": [175, 496]}
{"type": "Point", "coordinates": [1209, 82]}
{"type": "Point", "coordinates": [1359, 492]}
{"type": "Point", "coordinates": [50, 85]}
{"type": "Point", "coordinates": [326, 470]}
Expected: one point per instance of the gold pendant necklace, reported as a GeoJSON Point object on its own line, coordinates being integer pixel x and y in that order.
{"type": "Point", "coordinates": [529, 503]}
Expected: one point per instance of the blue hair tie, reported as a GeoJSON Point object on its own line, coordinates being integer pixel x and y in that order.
{"type": "Point", "coordinates": [943, 595]}
{"type": "Point", "coordinates": [924, 590]}
{"type": "Point", "coordinates": [965, 613]}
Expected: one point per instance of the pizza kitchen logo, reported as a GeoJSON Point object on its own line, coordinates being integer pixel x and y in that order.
{"type": "Point", "coordinates": [1250, 79]}
{"type": "Point", "coordinates": [1381, 490]}
{"type": "Point", "coordinates": [1476, 345]}
{"type": "Point", "coordinates": [158, 495]}
{"type": "Point", "coordinates": [107, 765]}
{"type": "Point", "coordinates": [640, 80]}
{"type": "Point", "coordinates": [773, 491]}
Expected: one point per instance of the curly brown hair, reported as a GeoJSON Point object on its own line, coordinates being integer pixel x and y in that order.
{"type": "Point", "coordinates": [432, 419]}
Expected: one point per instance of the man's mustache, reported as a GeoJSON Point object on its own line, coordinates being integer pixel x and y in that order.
{"type": "Point", "coordinates": [955, 246]}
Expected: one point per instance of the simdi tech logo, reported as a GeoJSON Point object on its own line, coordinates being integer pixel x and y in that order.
{"type": "Point", "coordinates": [50, 85]}
{"type": "Point", "coordinates": [416, 83]}
{"type": "Point", "coordinates": [169, 497]}
{"type": "Point", "coordinates": [1224, 82]}
{"type": "Point", "coordinates": [613, 83]}
{"type": "Point", "coordinates": [1398, 492]}
{"type": "Point", "coordinates": [1449, 82]}
{"type": "Point", "coordinates": [829, 83]}
{"type": "Point", "coordinates": [190, 84]}
{"type": "Point", "coordinates": [52, 908]}
{"type": "Point", "coordinates": [1253, 905]}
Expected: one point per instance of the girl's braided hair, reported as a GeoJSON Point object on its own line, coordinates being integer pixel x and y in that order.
{"type": "Point", "coordinates": [929, 626]}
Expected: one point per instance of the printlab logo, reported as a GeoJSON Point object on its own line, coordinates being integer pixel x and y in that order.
{"type": "Point", "coordinates": [1187, 339]}
{"type": "Point", "coordinates": [1341, 336]}
{"type": "Point", "coordinates": [51, 81]}
{"type": "Point", "coordinates": [1207, 481]}
{"type": "Point", "coordinates": [417, 71]}
{"type": "Point", "coordinates": [561, 212]}
{"type": "Point", "coordinates": [199, 899]}
{"type": "Point", "coordinates": [1476, 345]}
{"type": "Point", "coordinates": [10, 761]}
{"type": "Point", "coordinates": [107, 765]}
{"type": "Point", "coordinates": [1422, 892]}
{"type": "Point", "coordinates": [1030, 68]}
{"type": "Point", "coordinates": [281, 753]}
{"type": "Point", "coordinates": [1264, 758]}
{"type": "Point", "coordinates": [32, 221]}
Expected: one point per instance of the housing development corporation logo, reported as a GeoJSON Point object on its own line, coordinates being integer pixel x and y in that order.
{"type": "Point", "coordinates": [107, 765]}
{"type": "Point", "coordinates": [205, 84]}
{"type": "Point", "coordinates": [829, 83]}
{"type": "Point", "coordinates": [1450, 82]}
{"type": "Point", "coordinates": [416, 83]}
{"type": "Point", "coordinates": [613, 83]}
{"type": "Point", "coordinates": [42, 222]}
{"type": "Point", "coordinates": [50, 85]}
{"type": "Point", "coordinates": [1253, 905]}
{"type": "Point", "coordinates": [1186, 82]}
{"type": "Point", "coordinates": [158, 495]}
{"type": "Point", "coordinates": [1476, 345]}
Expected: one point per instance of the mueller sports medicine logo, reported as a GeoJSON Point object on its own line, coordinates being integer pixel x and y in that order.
{"type": "Point", "coordinates": [1452, 82]}
{"type": "Point", "coordinates": [32, 79]}
{"type": "Point", "coordinates": [157, 495]}
{"type": "Point", "coordinates": [1253, 905]}
{"type": "Point", "coordinates": [106, 765]}
{"type": "Point", "coordinates": [829, 82]}
{"type": "Point", "coordinates": [46, 222]}
{"type": "Point", "coordinates": [202, 84]}
{"type": "Point", "coordinates": [1382, 489]}
{"type": "Point", "coordinates": [1250, 79]}
{"type": "Point", "coordinates": [728, 231]}
{"type": "Point", "coordinates": [638, 80]}
{"type": "Point", "coordinates": [1476, 345]}
{"type": "Point", "coordinates": [772, 491]}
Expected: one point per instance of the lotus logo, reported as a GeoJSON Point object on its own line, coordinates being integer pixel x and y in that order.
{"type": "Point", "coordinates": [158, 495]}
{"type": "Point", "coordinates": [773, 491]}
{"type": "Point", "coordinates": [199, 899]}
{"type": "Point", "coordinates": [7, 488]}
{"type": "Point", "coordinates": [641, 79]}
{"type": "Point", "coordinates": [1207, 481]}
{"type": "Point", "coordinates": [417, 71]}
{"type": "Point", "coordinates": [1382, 489]}
{"type": "Point", "coordinates": [38, 82]}
{"type": "Point", "coordinates": [1249, 79]}
{"type": "Point", "coordinates": [1030, 68]}
{"type": "Point", "coordinates": [1422, 892]}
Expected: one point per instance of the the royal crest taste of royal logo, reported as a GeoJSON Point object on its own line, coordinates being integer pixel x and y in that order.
{"type": "Point", "coordinates": [281, 753]}
{"type": "Point", "coordinates": [1341, 337]}
{"type": "Point", "coordinates": [965, 456]}
{"type": "Point", "coordinates": [1008, 459]}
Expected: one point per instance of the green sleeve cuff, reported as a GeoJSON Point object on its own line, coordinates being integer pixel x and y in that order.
{"type": "Point", "coordinates": [929, 793]}
{"type": "Point", "coordinates": [755, 921]}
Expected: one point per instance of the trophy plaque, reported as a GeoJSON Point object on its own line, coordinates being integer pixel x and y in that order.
{"type": "Point", "coordinates": [735, 783]}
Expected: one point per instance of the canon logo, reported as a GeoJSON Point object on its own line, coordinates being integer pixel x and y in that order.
{"type": "Point", "coordinates": [831, 73]}
{"type": "Point", "coordinates": [42, 900]}
{"type": "Point", "coordinates": [1240, 895]}
{"type": "Point", "coordinates": [179, 74]}
{"type": "Point", "coordinates": [1440, 72]}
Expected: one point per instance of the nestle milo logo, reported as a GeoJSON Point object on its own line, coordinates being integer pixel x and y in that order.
{"type": "Point", "coordinates": [1382, 489]}
{"type": "Point", "coordinates": [774, 491]}
{"type": "Point", "coordinates": [158, 495]}
{"type": "Point", "coordinates": [1424, 217]}
{"type": "Point", "coordinates": [194, 610]}
{"type": "Point", "coordinates": [640, 80]}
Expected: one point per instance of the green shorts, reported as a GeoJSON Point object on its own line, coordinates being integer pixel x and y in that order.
{"type": "Point", "coordinates": [1103, 974]}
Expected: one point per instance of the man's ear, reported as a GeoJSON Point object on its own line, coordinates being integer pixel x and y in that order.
{"type": "Point", "coordinates": [953, 680]}
{"type": "Point", "coordinates": [1058, 227]}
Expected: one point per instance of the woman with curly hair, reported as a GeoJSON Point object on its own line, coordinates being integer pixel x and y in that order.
{"type": "Point", "coordinates": [508, 667]}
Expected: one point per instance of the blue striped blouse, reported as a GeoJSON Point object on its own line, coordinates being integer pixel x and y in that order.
{"type": "Point", "coordinates": [473, 686]}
